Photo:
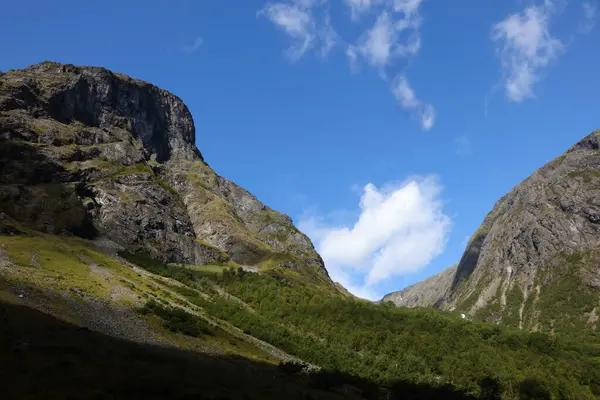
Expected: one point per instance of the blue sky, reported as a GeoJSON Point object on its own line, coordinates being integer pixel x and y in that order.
{"type": "Point", "coordinates": [386, 128]}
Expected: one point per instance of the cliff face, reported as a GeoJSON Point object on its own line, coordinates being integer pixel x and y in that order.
{"type": "Point", "coordinates": [427, 293]}
{"type": "Point", "coordinates": [88, 152]}
{"type": "Point", "coordinates": [534, 261]}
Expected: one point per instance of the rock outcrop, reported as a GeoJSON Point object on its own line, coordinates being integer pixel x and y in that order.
{"type": "Point", "coordinates": [535, 260]}
{"type": "Point", "coordinates": [88, 152]}
{"type": "Point", "coordinates": [427, 293]}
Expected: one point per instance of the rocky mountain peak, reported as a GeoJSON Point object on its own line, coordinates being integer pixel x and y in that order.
{"type": "Point", "coordinates": [536, 248]}
{"type": "Point", "coordinates": [590, 142]}
{"type": "Point", "coordinates": [96, 97]}
{"type": "Point", "coordinates": [98, 154]}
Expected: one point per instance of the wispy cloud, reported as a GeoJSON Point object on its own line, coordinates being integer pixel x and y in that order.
{"type": "Point", "coordinates": [400, 230]}
{"type": "Point", "coordinates": [463, 146]}
{"type": "Point", "coordinates": [358, 7]}
{"type": "Point", "coordinates": [194, 46]}
{"type": "Point", "coordinates": [406, 96]}
{"type": "Point", "coordinates": [394, 37]}
{"type": "Point", "coordinates": [526, 47]}
{"type": "Point", "coordinates": [296, 19]}
{"type": "Point", "coordinates": [328, 36]}
{"type": "Point", "coordinates": [590, 14]}
{"type": "Point", "coordinates": [297, 22]}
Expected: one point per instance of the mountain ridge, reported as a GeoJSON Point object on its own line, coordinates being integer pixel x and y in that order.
{"type": "Point", "coordinates": [538, 239]}
{"type": "Point", "coordinates": [120, 155]}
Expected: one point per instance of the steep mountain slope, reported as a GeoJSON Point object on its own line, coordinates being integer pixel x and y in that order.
{"type": "Point", "coordinates": [534, 261]}
{"type": "Point", "coordinates": [427, 293]}
{"type": "Point", "coordinates": [96, 154]}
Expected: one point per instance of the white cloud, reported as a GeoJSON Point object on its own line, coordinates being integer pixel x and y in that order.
{"type": "Point", "coordinates": [590, 13]}
{"type": "Point", "coordinates": [328, 36]}
{"type": "Point", "coordinates": [408, 101]}
{"type": "Point", "coordinates": [382, 46]}
{"type": "Point", "coordinates": [526, 48]}
{"type": "Point", "coordinates": [400, 229]}
{"type": "Point", "coordinates": [192, 48]}
{"type": "Point", "coordinates": [352, 57]}
{"type": "Point", "coordinates": [376, 44]}
{"type": "Point", "coordinates": [297, 22]}
{"type": "Point", "coordinates": [358, 7]}
{"type": "Point", "coordinates": [407, 6]}
{"type": "Point", "coordinates": [395, 36]}
{"type": "Point", "coordinates": [463, 146]}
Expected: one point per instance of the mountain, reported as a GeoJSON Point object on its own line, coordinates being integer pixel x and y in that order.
{"type": "Point", "coordinates": [427, 293]}
{"type": "Point", "coordinates": [97, 154]}
{"type": "Point", "coordinates": [130, 269]}
{"type": "Point", "coordinates": [534, 261]}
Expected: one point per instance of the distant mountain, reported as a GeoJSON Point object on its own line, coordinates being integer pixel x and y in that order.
{"type": "Point", "coordinates": [534, 262]}
{"type": "Point", "coordinates": [427, 293]}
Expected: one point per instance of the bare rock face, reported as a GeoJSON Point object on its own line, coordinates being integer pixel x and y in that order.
{"type": "Point", "coordinates": [535, 260]}
{"type": "Point", "coordinates": [89, 152]}
{"type": "Point", "coordinates": [427, 293]}
{"type": "Point", "coordinates": [232, 219]}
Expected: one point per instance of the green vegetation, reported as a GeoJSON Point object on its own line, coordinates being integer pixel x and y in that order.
{"type": "Point", "coordinates": [384, 344]}
{"type": "Point", "coordinates": [178, 320]}
{"type": "Point", "coordinates": [514, 300]}
{"type": "Point", "coordinates": [143, 260]}
{"type": "Point", "coordinates": [564, 297]}
{"type": "Point", "coordinates": [64, 361]}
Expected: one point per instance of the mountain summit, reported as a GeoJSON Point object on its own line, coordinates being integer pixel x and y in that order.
{"type": "Point", "coordinates": [534, 261]}
{"type": "Point", "coordinates": [97, 154]}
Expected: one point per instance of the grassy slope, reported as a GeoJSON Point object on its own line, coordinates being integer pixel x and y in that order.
{"type": "Point", "coordinates": [219, 311]}
{"type": "Point", "coordinates": [384, 344]}
{"type": "Point", "coordinates": [71, 272]}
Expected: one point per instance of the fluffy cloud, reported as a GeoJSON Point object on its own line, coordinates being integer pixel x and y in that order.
{"type": "Point", "coordinates": [394, 37]}
{"type": "Point", "coordinates": [400, 230]}
{"type": "Point", "coordinates": [526, 48]}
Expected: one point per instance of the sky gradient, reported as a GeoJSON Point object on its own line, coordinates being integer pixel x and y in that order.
{"type": "Point", "coordinates": [386, 128]}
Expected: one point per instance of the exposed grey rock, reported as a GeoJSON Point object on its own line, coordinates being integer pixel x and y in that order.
{"type": "Point", "coordinates": [93, 153]}
{"type": "Point", "coordinates": [534, 261]}
{"type": "Point", "coordinates": [427, 293]}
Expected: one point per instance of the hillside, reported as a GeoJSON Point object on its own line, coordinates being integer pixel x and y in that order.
{"type": "Point", "coordinates": [97, 154]}
{"type": "Point", "coordinates": [427, 293]}
{"type": "Point", "coordinates": [533, 262]}
{"type": "Point", "coordinates": [129, 269]}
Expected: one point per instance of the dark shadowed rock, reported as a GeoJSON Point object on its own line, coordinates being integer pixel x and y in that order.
{"type": "Point", "coordinates": [89, 152]}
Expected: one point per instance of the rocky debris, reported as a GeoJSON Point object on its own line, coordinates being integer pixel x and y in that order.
{"type": "Point", "coordinates": [89, 152]}
{"type": "Point", "coordinates": [542, 234]}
